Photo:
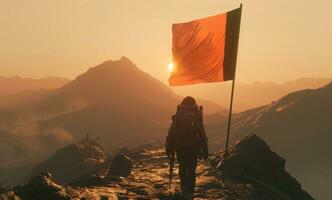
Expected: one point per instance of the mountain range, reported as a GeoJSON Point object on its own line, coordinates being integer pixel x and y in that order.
{"type": "Point", "coordinates": [248, 96]}
{"type": "Point", "coordinates": [17, 84]}
{"type": "Point", "coordinates": [115, 102]}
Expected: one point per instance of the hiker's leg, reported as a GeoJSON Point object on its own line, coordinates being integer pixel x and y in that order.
{"type": "Point", "coordinates": [190, 167]}
{"type": "Point", "coordinates": [187, 169]}
{"type": "Point", "coordinates": [182, 171]}
{"type": "Point", "coordinates": [192, 172]}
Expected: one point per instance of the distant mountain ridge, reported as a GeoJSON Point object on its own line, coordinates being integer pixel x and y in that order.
{"type": "Point", "coordinates": [248, 96]}
{"type": "Point", "coordinates": [111, 83]}
{"type": "Point", "coordinates": [17, 84]}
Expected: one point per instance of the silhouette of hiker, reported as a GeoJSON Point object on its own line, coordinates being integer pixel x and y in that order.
{"type": "Point", "coordinates": [187, 138]}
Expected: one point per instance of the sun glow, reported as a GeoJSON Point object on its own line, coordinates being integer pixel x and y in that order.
{"type": "Point", "coordinates": [170, 67]}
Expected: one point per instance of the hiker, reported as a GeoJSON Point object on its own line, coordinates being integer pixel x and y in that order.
{"type": "Point", "coordinates": [187, 139]}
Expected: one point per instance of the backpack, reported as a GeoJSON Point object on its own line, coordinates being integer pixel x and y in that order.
{"type": "Point", "coordinates": [187, 121]}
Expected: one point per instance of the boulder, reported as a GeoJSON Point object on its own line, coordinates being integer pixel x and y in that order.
{"type": "Point", "coordinates": [252, 159]}
{"type": "Point", "coordinates": [73, 161]}
{"type": "Point", "coordinates": [121, 166]}
{"type": "Point", "coordinates": [42, 187]}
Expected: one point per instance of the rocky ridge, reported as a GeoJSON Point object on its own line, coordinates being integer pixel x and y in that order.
{"type": "Point", "coordinates": [250, 171]}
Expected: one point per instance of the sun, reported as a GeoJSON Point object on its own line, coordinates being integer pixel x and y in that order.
{"type": "Point", "coordinates": [170, 67]}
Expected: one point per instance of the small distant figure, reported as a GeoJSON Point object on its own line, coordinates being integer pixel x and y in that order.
{"type": "Point", "coordinates": [87, 136]}
{"type": "Point", "coordinates": [187, 139]}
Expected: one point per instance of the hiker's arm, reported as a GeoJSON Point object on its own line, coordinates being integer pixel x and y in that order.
{"type": "Point", "coordinates": [204, 140]}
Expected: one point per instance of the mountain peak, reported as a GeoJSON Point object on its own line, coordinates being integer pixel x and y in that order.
{"type": "Point", "coordinates": [126, 59]}
{"type": "Point", "coordinates": [110, 66]}
{"type": "Point", "coordinates": [120, 83]}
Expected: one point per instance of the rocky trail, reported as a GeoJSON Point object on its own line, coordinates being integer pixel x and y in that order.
{"type": "Point", "coordinates": [251, 171]}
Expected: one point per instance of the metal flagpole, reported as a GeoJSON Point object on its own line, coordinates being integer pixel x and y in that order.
{"type": "Point", "coordinates": [229, 117]}
{"type": "Point", "coordinates": [231, 101]}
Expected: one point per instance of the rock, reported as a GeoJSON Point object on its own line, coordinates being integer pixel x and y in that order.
{"type": "Point", "coordinates": [73, 161]}
{"type": "Point", "coordinates": [103, 198]}
{"type": "Point", "coordinates": [121, 166]}
{"type": "Point", "coordinates": [40, 188]}
{"type": "Point", "coordinates": [252, 159]}
{"type": "Point", "coordinates": [9, 195]}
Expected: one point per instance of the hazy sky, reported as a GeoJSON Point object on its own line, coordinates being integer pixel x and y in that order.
{"type": "Point", "coordinates": [280, 39]}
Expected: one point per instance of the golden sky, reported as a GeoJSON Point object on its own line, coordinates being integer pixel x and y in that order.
{"type": "Point", "coordinates": [280, 40]}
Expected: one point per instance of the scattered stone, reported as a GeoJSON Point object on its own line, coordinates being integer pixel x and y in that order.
{"type": "Point", "coordinates": [121, 166]}
{"type": "Point", "coordinates": [103, 198]}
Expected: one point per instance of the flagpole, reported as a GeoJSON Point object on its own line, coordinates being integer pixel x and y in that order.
{"type": "Point", "coordinates": [231, 103]}
{"type": "Point", "coordinates": [229, 117]}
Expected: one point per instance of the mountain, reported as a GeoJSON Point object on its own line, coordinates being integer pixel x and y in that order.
{"type": "Point", "coordinates": [116, 84]}
{"type": "Point", "coordinates": [251, 171]}
{"type": "Point", "coordinates": [248, 96]}
{"type": "Point", "coordinates": [115, 102]}
{"type": "Point", "coordinates": [298, 126]}
{"type": "Point", "coordinates": [16, 84]}
{"type": "Point", "coordinates": [72, 161]}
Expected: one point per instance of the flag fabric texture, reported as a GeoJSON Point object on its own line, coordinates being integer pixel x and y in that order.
{"type": "Point", "coordinates": [205, 50]}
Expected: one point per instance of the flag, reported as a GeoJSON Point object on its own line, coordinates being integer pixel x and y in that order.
{"type": "Point", "coordinates": [205, 50]}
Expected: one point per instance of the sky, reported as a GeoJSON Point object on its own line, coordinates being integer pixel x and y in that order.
{"type": "Point", "coordinates": [279, 40]}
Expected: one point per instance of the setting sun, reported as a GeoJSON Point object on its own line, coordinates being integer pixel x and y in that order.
{"type": "Point", "coordinates": [170, 67]}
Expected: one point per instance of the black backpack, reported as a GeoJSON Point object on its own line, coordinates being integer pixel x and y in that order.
{"type": "Point", "coordinates": [187, 122]}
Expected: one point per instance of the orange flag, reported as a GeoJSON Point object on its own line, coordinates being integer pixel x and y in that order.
{"type": "Point", "coordinates": [205, 50]}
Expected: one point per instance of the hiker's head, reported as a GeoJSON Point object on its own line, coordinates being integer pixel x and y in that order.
{"type": "Point", "coordinates": [188, 101]}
